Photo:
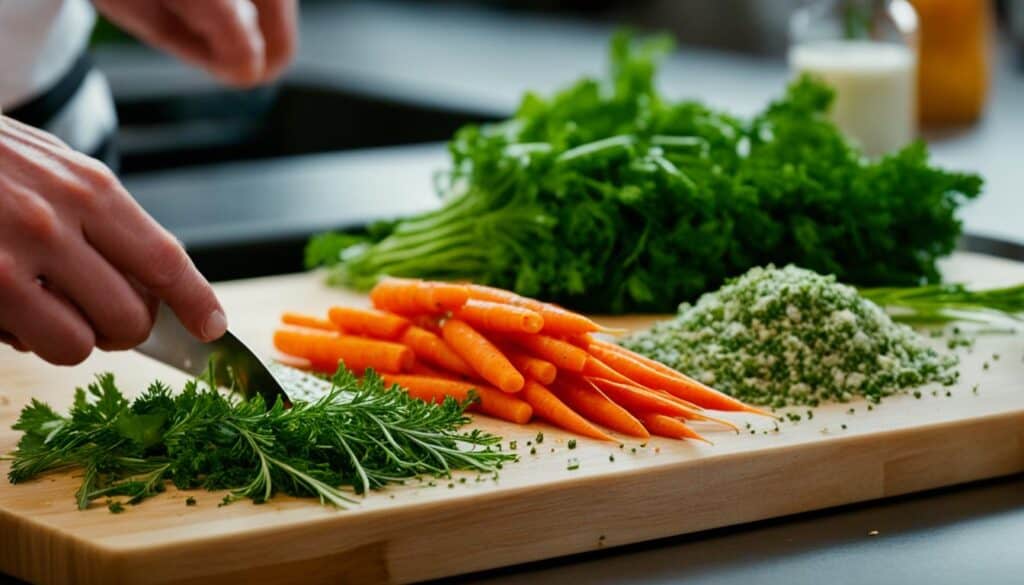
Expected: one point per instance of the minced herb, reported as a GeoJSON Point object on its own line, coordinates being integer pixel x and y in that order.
{"type": "Point", "coordinates": [789, 336]}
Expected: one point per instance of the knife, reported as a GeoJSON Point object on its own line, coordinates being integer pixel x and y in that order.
{"type": "Point", "coordinates": [235, 366]}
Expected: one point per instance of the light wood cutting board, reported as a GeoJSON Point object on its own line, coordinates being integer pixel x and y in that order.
{"type": "Point", "coordinates": [537, 508]}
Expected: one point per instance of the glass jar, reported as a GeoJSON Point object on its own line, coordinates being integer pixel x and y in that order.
{"type": "Point", "coordinates": [867, 51]}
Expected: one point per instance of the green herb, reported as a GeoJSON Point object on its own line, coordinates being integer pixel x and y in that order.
{"type": "Point", "coordinates": [513, 445]}
{"type": "Point", "coordinates": [573, 464]}
{"type": "Point", "coordinates": [539, 438]}
{"type": "Point", "coordinates": [611, 458]}
{"type": "Point", "coordinates": [609, 196]}
{"type": "Point", "coordinates": [190, 501]}
{"type": "Point", "coordinates": [780, 337]}
{"type": "Point", "coordinates": [358, 434]}
{"type": "Point", "coordinates": [115, 507]}
{"type": "Point", "coordinates": [533, 450]}
{"type": "Point", "coordinates": [572, 443]}
{"type": "Point", "coordinates": [941, 303]}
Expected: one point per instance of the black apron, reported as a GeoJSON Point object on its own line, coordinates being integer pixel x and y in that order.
{"type": "Point", "coordinates": [41, 109]}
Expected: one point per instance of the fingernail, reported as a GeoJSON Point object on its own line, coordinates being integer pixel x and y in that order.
{"type": "Point", "coordinates": [215, 326]}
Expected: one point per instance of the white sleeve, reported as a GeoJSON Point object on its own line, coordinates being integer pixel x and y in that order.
{"type": "Point", "coordinates": [39, 40]}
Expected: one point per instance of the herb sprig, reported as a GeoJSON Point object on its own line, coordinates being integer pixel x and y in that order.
{"type": "Point", "coordinates": [358, 434]}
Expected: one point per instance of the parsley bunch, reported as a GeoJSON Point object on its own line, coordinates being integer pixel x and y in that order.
{"type": "Point", "coordinates": [358, 434]}
{"type": "Point", "coordinates": [610, 197]}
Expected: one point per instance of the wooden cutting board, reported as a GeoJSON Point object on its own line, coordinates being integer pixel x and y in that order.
{"type": "Point", "coordinates": [537, 508]}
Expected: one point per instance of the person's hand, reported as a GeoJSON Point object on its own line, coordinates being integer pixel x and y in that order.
{"type": "Point", "coordinates": [241, 42]}
{"type": "Point", "coordinates": [81, 264]}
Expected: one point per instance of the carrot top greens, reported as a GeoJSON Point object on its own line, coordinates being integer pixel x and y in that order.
{"type": "Point", "coordinates": [357, 434]}
{"type": "Point", "coordinates": [609, 196]}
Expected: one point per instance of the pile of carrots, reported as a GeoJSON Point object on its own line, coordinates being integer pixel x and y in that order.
{"type": "Point", "coordinates": [521, 357]}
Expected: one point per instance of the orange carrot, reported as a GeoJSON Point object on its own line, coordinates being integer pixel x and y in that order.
{"type": "Point", "coordinates": [564, 355]}
{"type": "Point", "coordinates": [368, 322]}
{"type": "Point", "coordinates": [499, 317]}
{"type": "Point", "coordinates": [547, 406]}
{"type": "Point", "coordinates": [428, 322]}
{"type": "Point", "coordinates": [595, 368]}
{"type": "Point", "coordinates": [586, 399]}
{"type": "Point", "coordinates": [421, 369]}
{"type": "Point", "coordinates": [557, 321]}
{"type": "Point", "coordinates": [309, 321]}
{"type": "Point", "coordinates": [357, 353]}
{"type": "Point", "coordinates": [637, 399]}
{"type": "Point", "coordinates": [481, 355]}
{"type": "Point", "coordinates": [409, 297]}
{"type": "Point", "coordinates": [540, 370]}
{"type": "Point", "coordinates": [491, 401]}
{"type": "Point", "coordinates": [679, 385]}
{"type": "Point", "coordinates": [666, 426]}
{"type": "Point", "coordinates": [429, 347]}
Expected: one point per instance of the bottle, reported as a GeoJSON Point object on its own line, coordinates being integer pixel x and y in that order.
{"type": "Point", "coordinates": [866, 50]}
{"type": "Point", "coordinates": [953, 60]}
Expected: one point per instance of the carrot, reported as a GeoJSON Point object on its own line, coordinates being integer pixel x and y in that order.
{"type": "Point", "coordinates": [409, 297]}
{"type": "Point", "coordinates": [357, 353]}
{"type": "Point", "coordinates": [499, 317]}
{"type": "Point", "coordinates": [686, 388]}
{"type": "Point", "coordinates": [429, 347]}
{"type": "Point", "coordinates": [557, 321]}
{"type": "Point", "coordinates": [481, 355]}
{"type": "Point", "coordinates": [637, 399]}
{"type": "Point", "coordinates": [421, 369]}
{"type": "Point", "coordinates": [368, 322]}
{"type": "Point", "coordinates": [666, 426]}
{"type": "Point", "coordinates": [540, 370]}
{"type": "Point", "coordinates": [309, 321]}
{"type": "Point", "coordinates": [428, 322]}
{"type": "Point", "coordinates": [491, 401]}
{"type": "Point", "coordinates": [564, 355]}
{"type": "Point", "coordinates": [547, 406]}
{"type": "Point", "coordinates": [595, 368]}
{"type": "Point", "coordinates": [586, 399]}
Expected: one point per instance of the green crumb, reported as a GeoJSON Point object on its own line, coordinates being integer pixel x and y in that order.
{"type": "Point", "coordinates": [633, 449]}
{"type": "Point", "coordinates": [572, 443]}
{"type": "Point", "coordinates": [462, 480]}
{"type": "Point", "coordinates": [115, 507]}
{"type": "Point", "coordinates": [995, 357]}
{"type": "Point", "coordinates": [533, 450]}
{"type": "Point", "coordinates": [974, 389]}
{"type": "Point", "coordinates": [810, 414]}
{"type": "Point", "coordinates": [781, 337]}
{"type": "Point", "coordinates": [984, 366]}
{"type": "Point", "coordinates": [611, 458]}
{"type": "Point", "coordinates": [225, 501]}
{"type": "Point", "coordinates": [917, 394]}
{"type": "Point", "coordinates": [871, 407]}
{"type": "Point", "coordinates": [948, 393]}
{"type": "Point", "coordinates": [573, 464]}
{"type": "Point", "coordinates": [843, 426]}
{"type": "Point", "coordinates": [451, 485]}
{"type": "Point", "coordinates": [539, 438]}
{"type": "Point", "coordinates": [190, 501]}
{"type": "Point", "coordinates": [513, 445]}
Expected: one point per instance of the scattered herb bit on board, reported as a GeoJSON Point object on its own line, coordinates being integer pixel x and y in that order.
{"type": "Point", "coordinates": [610, 197]}
{"type": "Point", "coordinates": [359, 434]}
{"type": "Point", "coordinates": [789, 336]}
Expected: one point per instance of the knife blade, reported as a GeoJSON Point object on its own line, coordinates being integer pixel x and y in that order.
{"type": "Point", "coordinates": [235, 366]}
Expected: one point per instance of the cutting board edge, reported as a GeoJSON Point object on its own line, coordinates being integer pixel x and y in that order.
{"type": "Point", "coordinates": [391, 555]}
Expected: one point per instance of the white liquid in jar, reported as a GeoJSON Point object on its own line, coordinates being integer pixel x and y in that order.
{"type": "Point", "coordinates": [875, 85]}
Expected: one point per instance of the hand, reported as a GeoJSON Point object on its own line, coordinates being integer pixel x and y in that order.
{"type": "Point", "coordinates": [81, 264]}
{"type": "Point", "coordinates": [241, 42]}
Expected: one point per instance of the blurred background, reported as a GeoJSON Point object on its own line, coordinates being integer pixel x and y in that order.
{"type": "Point", "coordinates": [355, 130]}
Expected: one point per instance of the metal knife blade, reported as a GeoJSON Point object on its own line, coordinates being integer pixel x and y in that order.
{"type": "Point", "coordinates": [235, 366]}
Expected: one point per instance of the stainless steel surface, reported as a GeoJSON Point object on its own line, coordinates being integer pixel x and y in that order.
{"type": "Point", "coordinates": [235, 366]}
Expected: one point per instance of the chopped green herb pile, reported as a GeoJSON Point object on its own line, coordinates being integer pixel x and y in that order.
{"type": "Point", "coordinates": [359, 434]}
{"type": "Point", "coordinates": [611, 197]}
{"type": "Point", "coordinates": [783, 337]}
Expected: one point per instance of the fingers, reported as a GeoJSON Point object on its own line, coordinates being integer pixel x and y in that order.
{"type": "Point", "coordinates": [117, 312]}
{"type": "Point", "coordinates": [279, 22]}
{"type": "Point", "coordinates": [39, 136]}
{"type": "Point", "coordinates": [40, 321]}
{"type": "Point", "coordinates": [231, 32]}
{"type": "Point", "coordinates": [158, 263]}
